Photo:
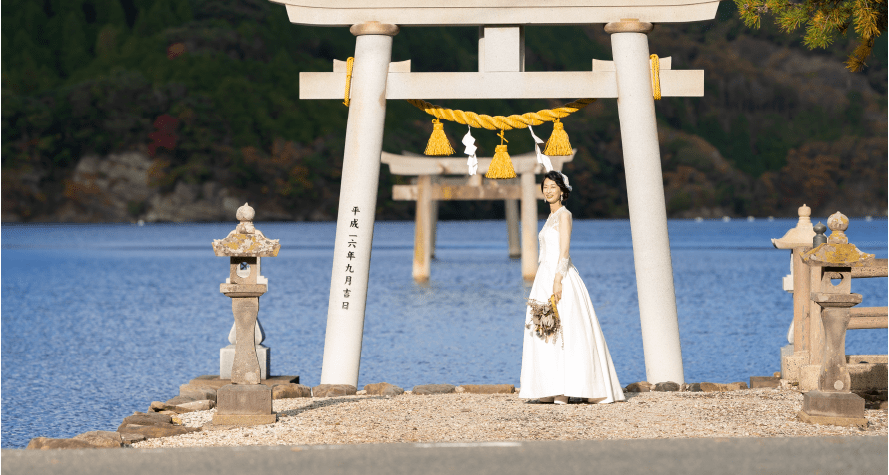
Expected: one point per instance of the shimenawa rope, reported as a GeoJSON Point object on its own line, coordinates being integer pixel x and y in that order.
{"type": "Point", "coordinates": [499, 122]}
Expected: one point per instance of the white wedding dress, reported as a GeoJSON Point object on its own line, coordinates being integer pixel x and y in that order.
{"type": "Point", "coordinates": [583, 367]}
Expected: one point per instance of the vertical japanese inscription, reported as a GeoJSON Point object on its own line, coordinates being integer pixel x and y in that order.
{"type": "Point", "coordinates": [350, 254]}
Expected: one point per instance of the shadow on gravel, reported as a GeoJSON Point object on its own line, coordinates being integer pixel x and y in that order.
{"type": "Point", "coordinates": [331, 401]}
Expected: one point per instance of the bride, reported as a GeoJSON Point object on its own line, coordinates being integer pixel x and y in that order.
{"type": "Point", "coordinates": [576, 363]}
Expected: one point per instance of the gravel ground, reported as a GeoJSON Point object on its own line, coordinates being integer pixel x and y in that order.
{"type": "Point", "coordinates": [476, 417]}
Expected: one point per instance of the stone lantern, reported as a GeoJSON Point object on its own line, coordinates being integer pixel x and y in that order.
{"type": "Point", "coordinates": [833, 401]}
{"type": "Point", "coordinates": [797, 240]}
{"type": "Point", "coordinates": [245, 401]}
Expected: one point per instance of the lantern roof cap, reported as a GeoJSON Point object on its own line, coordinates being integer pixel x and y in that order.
{"type": "Point", "coordinates": [245, 240]}
{"type": "Point", "coordinates": [837, 251]}
{"type": "Point", "coordinates": [801, 235]}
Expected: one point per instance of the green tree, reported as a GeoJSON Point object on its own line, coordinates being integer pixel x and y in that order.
{"type": "Point", "coordinates": [160, 15]}
{"type": "Point", "coordinates": [823, 20]}
{"type": "Point", "coordinates": [75, 49]}
{"type": "Point", "coordinates": [109, 12]}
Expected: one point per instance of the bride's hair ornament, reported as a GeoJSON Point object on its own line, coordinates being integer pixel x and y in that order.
{"type": "Point", "coordinates": [565, 179]}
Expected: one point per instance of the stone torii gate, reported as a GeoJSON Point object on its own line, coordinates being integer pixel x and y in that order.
{"type": "Point", "coordinates": [428, 192]}
{"type": "Point", "coordinates": [501, 76]}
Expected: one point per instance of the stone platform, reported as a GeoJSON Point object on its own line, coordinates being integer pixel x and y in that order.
{"type": "Point", "coordinates": [213, 381]}
{"type": "Point", "coordinates": [834, 408]}
{"type": "Point", "coordinates": [867, 372]}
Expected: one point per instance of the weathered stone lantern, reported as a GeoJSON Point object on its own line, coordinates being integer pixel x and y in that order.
{"type": "Point", "coordinates": [797, 240]}
{"type": "Point", "coordinates": [833, 401]}
{"type": "Point", "coordinates": [245, 401]}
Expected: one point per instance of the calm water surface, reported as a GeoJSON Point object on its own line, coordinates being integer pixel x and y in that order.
{"type": "Point", "coordinates": [98, 321]}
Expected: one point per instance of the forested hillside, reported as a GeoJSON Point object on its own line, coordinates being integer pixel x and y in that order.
{"type": "Point", "coordinates": [175, 110]}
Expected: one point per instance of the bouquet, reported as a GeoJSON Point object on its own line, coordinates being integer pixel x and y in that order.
{"type": "Point", "coordinates": [545, 322]}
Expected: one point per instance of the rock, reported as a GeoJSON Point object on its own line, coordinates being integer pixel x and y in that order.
{"type": "Point", "coordinates": [873, 398]}
{"type": "Point", "coordinates": [427, 389]}
{"type": "Point", "coordinates": [185, 404]}
{"type": "Point", "coordinates": [712, 387]}
{"type": "Point", "coordinates": [205, 377]}
{"type": "Point", "coordinates": [204, 405]}
{"type": "Point", "coordinates": [694, 387]}
{"type": "Point", "coordinates": [764, 382]}
{"type": "Point", "coordinates": [179, 400]}
{"type": "Point", "coordinates": [273, 380]}
{"type": "Point", "coordinates": [383, 389]}
{"type": "Point", "coordinates": [101, 438]}
{"type": "Point", "coordinates": [153, 425]}
{"type": "Point", "coordinates": [290, 390]}
{"type": "Point", "coordinates": [640, 387]}
{"type": "Point", "coordinates": [131, 437]}
{"type": "Point", "coordinates": [329, 390]}
{"type": "Point", "coordinates": [666, 386]}
{"type": "Point", "coordinates": [97, 439]}
{"type": "Point", "coordinates": [209, 381]}
{"type": "Point", "coordinates": [197, 392]}
{"type": "Point", "coordinates": [46, 443]}
{"type": "Point", "coordinates": [155, 431]}
{"type": "Point", "coordinates": [146, 420]}
{"type": "Point", "coordinates": [486, 388]}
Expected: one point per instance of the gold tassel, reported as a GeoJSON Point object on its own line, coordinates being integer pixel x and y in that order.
{"type": "Point", "coordinates": [501, 165]}
{"type": "Point", "coordinates": [439, 144]}
{"type": "Point", "coordinates": [558, 144]}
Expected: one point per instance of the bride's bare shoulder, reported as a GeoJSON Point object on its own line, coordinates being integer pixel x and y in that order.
{"type": "Point", "coordinates": [565, 218]}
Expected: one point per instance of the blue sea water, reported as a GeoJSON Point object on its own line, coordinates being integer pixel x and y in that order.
{"type": "Point", "coordinates": [100, 320]}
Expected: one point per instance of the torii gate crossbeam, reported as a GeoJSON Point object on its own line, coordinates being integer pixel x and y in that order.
{"type": "Point", "coordinates": [501, 62]}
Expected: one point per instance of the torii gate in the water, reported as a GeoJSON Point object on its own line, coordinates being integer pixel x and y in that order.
{"type": "Point", "coordinates": [501, 76]}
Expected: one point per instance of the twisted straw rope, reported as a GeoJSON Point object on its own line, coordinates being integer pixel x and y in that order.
{"type": "Point", "coordinates": [499, 122]}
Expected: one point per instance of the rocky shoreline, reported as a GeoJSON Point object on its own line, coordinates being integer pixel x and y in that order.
{"type": "Point", "coordinates": [385, 413]}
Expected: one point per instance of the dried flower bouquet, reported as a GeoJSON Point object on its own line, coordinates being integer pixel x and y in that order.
{"type": "Point", "coordinates": [545, 321]}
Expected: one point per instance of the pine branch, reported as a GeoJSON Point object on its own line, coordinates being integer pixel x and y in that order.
{"type": "Point", "coordinates": [824, 20]}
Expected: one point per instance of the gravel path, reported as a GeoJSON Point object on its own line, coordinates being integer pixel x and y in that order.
{"type": "Point", "coordinates": [477, 417]}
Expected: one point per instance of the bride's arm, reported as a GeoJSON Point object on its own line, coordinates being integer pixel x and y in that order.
{"type": "Point", "coordinates": [564, 245]}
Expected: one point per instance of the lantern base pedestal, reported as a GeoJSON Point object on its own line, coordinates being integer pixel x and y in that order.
{"type": "Point", "coordinates": [244, 405]}
{"type": "Point", "coordinates": [833, 408]}
{"type": "Point", "coordinates": [244, 420]}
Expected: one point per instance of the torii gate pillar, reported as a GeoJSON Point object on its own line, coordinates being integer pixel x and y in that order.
{"type": "Point", "coordinates": [358, 202]}
{"type": "Point", "coordinates": [645, 193]}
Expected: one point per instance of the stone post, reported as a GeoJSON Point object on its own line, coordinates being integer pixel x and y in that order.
{"type": "Point", "coordinates": [433, 228]}
{"type": "Point", "coordinates": [245, 401]}
{"type": "Point", "coordinates": [529, 226]}
{"type": "Point", "coordinates": [358, 201]}
{"type": "Point", "coordinates": [645, 194]}
{"type": "Point", "coordinates": [423, 230]}
{"type": "Point", "coordinates": [833, 402]}
{"type": "Point", "coordinates": [512, 227]}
